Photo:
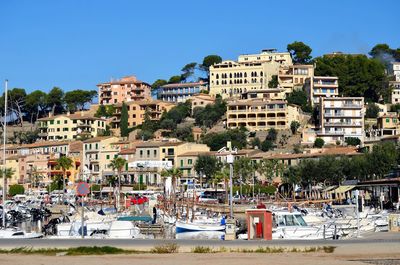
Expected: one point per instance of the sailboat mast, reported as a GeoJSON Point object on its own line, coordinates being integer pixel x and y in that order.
{"type": "Point", "coordinates": [4, 153]}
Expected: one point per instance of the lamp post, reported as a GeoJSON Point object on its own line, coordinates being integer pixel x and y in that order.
{"type": "Point", "coordinates": [4, 153]}
{"type": "Point", "coordinates": [229, 160]}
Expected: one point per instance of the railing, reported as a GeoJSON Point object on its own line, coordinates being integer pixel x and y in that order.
{"type": "Point", "coordinates": [343, 124]}
{"type": "Point", "coordinates": [342, 115]}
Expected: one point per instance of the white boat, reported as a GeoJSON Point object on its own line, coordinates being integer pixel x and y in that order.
{"type": "Point", "coordinates": [119, 229]}
{"type": "Point", "coordinates": [198, 226]}
{"type": "Point", "coordinates": [18, 233]}
{"type": "Point", "coordinates": [289, 225]}
{"type": "Point", "coordinates": [201, 235]}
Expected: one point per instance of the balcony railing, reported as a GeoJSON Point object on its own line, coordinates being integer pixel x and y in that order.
{"type": "Point", "coordinates": [349, 124]}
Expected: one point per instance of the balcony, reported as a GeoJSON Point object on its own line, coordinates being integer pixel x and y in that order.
{"type": "Point", "coordinates": [344, 106]}
{"type": "Point", "coordinates": [335, 133]}
{"type": "Point", "coordinates": [334, 115]}
{"type": "Point", "coordinates": [344, 124]}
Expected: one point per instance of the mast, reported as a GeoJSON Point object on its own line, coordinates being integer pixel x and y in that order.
{"type": "Point", "coordinates": [4, 153]}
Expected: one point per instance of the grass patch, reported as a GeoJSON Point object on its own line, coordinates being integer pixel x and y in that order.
{"type": "Point", "coordinates": [329, 249]}
{"type": "Point", "coordinates": [326, 249]}
{"type": "Point", "coordinates": [202, 249]}
{"type": "Point", "coordinates": [165, 249]}
{"type": "Point", "coordinates": [106, 250]}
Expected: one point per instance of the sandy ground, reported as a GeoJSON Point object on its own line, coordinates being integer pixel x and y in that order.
{"type": "Point", "coordinates": [194, 259]}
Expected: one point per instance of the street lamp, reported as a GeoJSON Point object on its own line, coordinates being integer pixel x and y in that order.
{"type": "Point", "coordinates": [229, 160]}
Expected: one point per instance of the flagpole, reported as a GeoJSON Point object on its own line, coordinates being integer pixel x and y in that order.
{"type": "Point", "coordinates": [4, 153]}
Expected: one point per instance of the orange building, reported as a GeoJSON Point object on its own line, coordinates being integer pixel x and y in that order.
{"type": "Point", "coordinates": [126, 89]}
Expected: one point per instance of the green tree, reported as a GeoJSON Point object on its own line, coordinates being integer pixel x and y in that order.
{"type": "Point", "coordinates": [210, 114]}
{"type": "Point", "coordinates": [206, 166]}
{"type": "Point", "coordinates": [383, 158]}
{"type": "Point", "coordinates": [208, 61]}
{"type": "Point", "coordinates": [175, 79]}
{"type": "Point", "coordinates": [64, 163]}
{"type": "Point", "coordinates": [256, 143]}
{"type": "Point", "coordinates": [359, 76]}
{"type": "Point", "coordinates": [123, 125]}
{"type": "Point", "coordinates": [188, 71]}
{"type": "Point", "coordinates": [175, 174]}
{"type": "Point", "coordinates": [55, 100]}
{"type": "Point", "coordinates": [270, 168]}
{"type": "Point", "coordinates": [319, 143]}
{"type": "Point", "coordinates": [101, 112]}
{"type": "Point", "coordinates": [395, 108]}
{"type": "Point", "coordinates": [272, 134]}
{"type": "Point", "coordinates": [8, 173]}
{"type": "Point", "coordinates": [294, 126]}
{"type": "Point", "coordinates": [159, 83]}
{"type": "Point", "coordinates": [372, 111]}
{"type": "Point", "coordinates": [301, 53]}
{"type": "Point", "coordinates": [77, 99]}
{"type": "Point", "coordinates": [386, 55]}
{"type": "Point", "coordinates": [35, 105]}
{"type": "Point", "coordinates": [354, 141]}
{"type": "Point", "coordinates": [299, 98]}
{"type": "Point", "coordinates": [273, 83]}
{"type": "Point", "coordinates": [243, 169]}
{"type": "Point", "coordinates": [267, 145]}
{"type": "Point", "coordinates": [16, 189]}
{"type": "Point", "coordinates": [118, 164]}
{"type": "Point", "coordinates": [218, 140]}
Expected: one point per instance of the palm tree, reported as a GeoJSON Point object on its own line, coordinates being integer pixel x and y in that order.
{"type": "Point", "coordinates": [223, 174]}
{"type": "Point", "coordinates": [64, 163]}
{"type": "Point", "coordinates": [174, 173]}
{"type": "Point", "coordinates": [8, 172]}
{"type": "Point", "coordinates": [118, 164]}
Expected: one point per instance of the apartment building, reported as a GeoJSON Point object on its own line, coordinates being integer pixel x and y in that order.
{"type": "Point", "coordinates": [72, 173]}
{"type": "Point", "coordinates": [201, 100]}
{"type": "Point", "coordinates": [148, 152]}
{"type": "Point", "coordinates": [250, 72]}
{"type": "Point", "coordinates": [97, 155]}
{"type": "Point", "coordinates": [180, 92]}
{"type": "Point", "coordinates": [259, 115]}
{"type": "Point", "coordinates": [293, 77]}
{"type": "Point", "coordinates": [126, 89]}
{"type": "Point", "coordinates": [321, 86]}
{"type": "Point", "coordinates": [79, 125]}
{"type": "Point", "coordinates": [266, 94]}
{"type": "Point", "coordinates": [395, 96]}
{"type": "Point", "coordinates": [137, 111]}
{"type": "Point", "coordinates": [396, 70]}
{"type": "Point", "coordinates": [341, 117]}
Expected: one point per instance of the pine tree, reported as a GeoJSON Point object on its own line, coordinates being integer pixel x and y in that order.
{"type": "Point", "coordinates": [124, 121]}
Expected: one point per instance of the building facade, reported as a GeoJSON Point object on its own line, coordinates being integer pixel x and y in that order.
{"type": "Point", "coordinates": [97, 155]}
{"type": "Point", "coordinates": [259, 115]}
{"type": "Point", "coordinates": [321, 86]}
{"type": "Point", "coordinates": [340, 118]}
{"type": "Point", "coordinates": [180, 92]}
{"type": "Point", "coordinates": [70, 127]}
{"type": "Point", "coordinates": [201, 100]}
{"type": "Point", "coordinates": [293, 77]}
{"type": "Point", "coordinates": [137, 111]}
{"type": "Point", "coordinates": [251, 72]}
{"type": "Point", "coordinates": [126, 89]}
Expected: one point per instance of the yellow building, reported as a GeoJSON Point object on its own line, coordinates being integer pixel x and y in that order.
{"type": "Point", "coordinates": [251, 72]}
{"type": "Point", "coordinates": [137, 111]}
{"type": "Point", "coordinates": [292, 77]}
{"type": "Point", "coordinates": [79, 125]}
{"type": "Point", "coordinates": [97, 155]}
{"type": "Point", "coordinates": [266, 94]}
{"type": "Point", "coordinates": [258, 115]}
{"type": "Point", "coordinates": [388, 121]}
{"type": "Point", "coordinates": [12, 162]}
{"type": "Point", "coordinates": [201, 100]}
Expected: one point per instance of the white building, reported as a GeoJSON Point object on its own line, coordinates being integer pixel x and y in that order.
{"type": "Point", "coordinates": [321, 86]}
{"type": "Point", "coordinates": [340, 118]}
{"type": "Point", "coordinates": [250, 72]}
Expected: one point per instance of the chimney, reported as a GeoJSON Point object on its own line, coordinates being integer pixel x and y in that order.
{"type": "Point", "coordinates": [68, 113]}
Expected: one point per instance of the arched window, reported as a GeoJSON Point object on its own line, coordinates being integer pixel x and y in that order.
{"type": "Point", "coordinates": [217, 83]}
{"type": "Point", "coordinates": [230, 75]}
{"type": "Point", "coordinates": [245, 74]}
{"type": "Point", "coordinates": [261, 73]}
{"type": "Point", "coordinates": [217, 76]}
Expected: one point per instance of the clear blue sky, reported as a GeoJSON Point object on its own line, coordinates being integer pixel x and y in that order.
{"type": "Point", "coordinates": [79, 43]}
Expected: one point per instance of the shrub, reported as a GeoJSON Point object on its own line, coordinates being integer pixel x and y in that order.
{"type": "Point", "coordinates": [95, 187]}
{"type": "Point", "coordinates": [16, 189]}
{"type": "Point", "coordinates": [354, 141]}
{"type": "Point", "coordinates": [167, 248]}
{"type": "Point", "coordinates": [319, 143]}
{"type": "Point", "coordinates": [294, 126]}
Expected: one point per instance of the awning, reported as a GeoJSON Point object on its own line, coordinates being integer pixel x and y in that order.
{"type": "Point", "coordinates": [329, 188]}
{"type": "Point", "coordinates": [343, 189]}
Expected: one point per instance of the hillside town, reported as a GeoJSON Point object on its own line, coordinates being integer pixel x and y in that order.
{"type": "Point", "coordinates": [272, 127]}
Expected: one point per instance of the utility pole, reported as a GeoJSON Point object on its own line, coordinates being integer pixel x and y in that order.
{"type": "Point", "coordinates": [229, 160]}
{"type": "Point", "coordinates": [4, 153]}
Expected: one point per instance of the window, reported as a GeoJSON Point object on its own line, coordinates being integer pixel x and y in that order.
{"type": "Point", "coordinates": [115, 156]}
{"type": "Point", "coordinates": [163, 150]}
{"type": "Point", "coordinates": [65, 121]}
{"type": "Point", "coordinates": [65, 129]}
{"type": "Point", "coordinates": [148, 153]}
{"type": "Point", "coordinates": [170, 151]}
{"type": "Point", "coordinates": [141, 153]}
{"type": "Point", "coordinates": [181, 162]}
{"type": "Point", "coordinates": [155, 152]}
{"type": "Point", "coordinates": [133, 115]}
{"type": "Point", "coordinates": [108, 157]}
{"type": "Point", "coordinates": [58, 122]}
{"type": "Point", "coordinates": [97, 146]}
{"type": "Point", "coordinates": [190, 161]}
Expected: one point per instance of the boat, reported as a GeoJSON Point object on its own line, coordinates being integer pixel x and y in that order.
{"type": "Point", "coordinates": [219, 235]}
{"type": "Point", "coordinates": [289, 225]}
{"type": "Point", "coordinates": [198, 226]}
{"type": "Point", "coordinates": [17, 233]}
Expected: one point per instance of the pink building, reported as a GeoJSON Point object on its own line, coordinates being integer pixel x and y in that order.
{"type": "Point", "coordinates": [126, 89]}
